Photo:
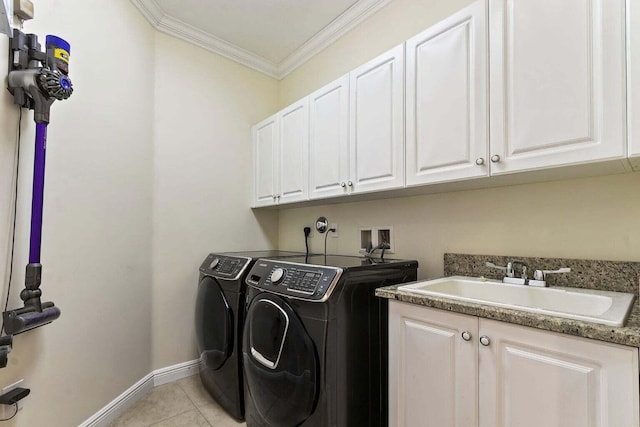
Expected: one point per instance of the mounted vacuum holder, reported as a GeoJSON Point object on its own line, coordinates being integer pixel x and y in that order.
{"type": "Point", "coordinates": [36, 79]}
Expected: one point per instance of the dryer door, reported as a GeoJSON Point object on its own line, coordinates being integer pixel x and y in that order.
{"type": "Point", "coordinates": [214, 324]}
{"type": "Point", "coordinates": [280, 362]}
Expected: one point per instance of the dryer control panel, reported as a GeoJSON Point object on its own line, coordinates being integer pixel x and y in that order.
{"type": "Point", "coordinates": [301, 281]}
{"type": "Point", "coordinates": [224, 266]}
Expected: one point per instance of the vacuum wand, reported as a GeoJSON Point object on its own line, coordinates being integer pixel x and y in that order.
{"type": "Point", "coordinates": [36, 79]}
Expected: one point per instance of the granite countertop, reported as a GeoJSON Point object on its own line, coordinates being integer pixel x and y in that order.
{"type": "Point", "coordinates": [627, 335]}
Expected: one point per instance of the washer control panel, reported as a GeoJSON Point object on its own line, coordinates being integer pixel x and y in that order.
{"type": "Point", "coordinates": [301, 281]}
{"type": "Point", "coordinates": [224, 266]}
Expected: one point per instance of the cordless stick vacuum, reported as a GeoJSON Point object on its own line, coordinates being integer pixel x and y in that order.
{"type": "Point", "coordinates": [36, 79]}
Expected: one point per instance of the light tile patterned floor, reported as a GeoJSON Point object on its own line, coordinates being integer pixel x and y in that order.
{"type": "Point", "coordinates": [183, 403]}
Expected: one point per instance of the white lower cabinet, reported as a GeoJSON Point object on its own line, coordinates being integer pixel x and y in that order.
{"type": "Point", "coordinates": [633, 75]}
{"type": "Point", "coordinates": [448, 369]}
{"type": "Point", "coordinates": [433, 372]}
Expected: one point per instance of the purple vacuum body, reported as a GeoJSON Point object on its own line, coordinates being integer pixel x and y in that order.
{"type": "Point", "coordinates": [36, 80]}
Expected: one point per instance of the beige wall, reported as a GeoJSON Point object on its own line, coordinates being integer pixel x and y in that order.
{"type": "Point", "coordinates": [147, 171]}
{"type": "Point", "coordinates": [205, 106]}
{"type": "Point", "coordinates": [96, 249]}
{"type": "Point", "coordinates": [595, 218]}
{"type": "Point", "coordinates": [592, 218]}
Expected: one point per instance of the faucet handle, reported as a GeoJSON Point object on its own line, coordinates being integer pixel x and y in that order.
{"type": "Point", "coordinates": [492, 265]}
{"type": "Point", "coordinates": [508, 270]}
{"type": "Point", "coordinates": [542, 274]}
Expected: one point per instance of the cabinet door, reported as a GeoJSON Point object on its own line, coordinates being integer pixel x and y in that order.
{"type": "Point", "coordinates": [377, 123]}
{"type": "Point", "coordinates": [432, 369]}
{"type": "Point", "coordinates": [530, 378]}
{"type": "Point", "coordinates": [447, 120]}
{"type": "Point", "coordinates": [265, 159]}
{"type": "Point", "coordinates": [633, 73]}
{"type": "Point", "coordinates": [329, 139]}
{"type": "Point", "coordinates": [294, 152]}
{"type": "Point", "coordinates": [557, 83]}
{"type": "Point", "coordinates": [6, 17]}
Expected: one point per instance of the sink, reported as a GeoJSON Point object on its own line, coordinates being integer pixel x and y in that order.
{"type": "Point", "coordinates": [609, 308]}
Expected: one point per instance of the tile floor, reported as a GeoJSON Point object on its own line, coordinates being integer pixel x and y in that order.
{"type": "Point", "coordinates": [183, 403]}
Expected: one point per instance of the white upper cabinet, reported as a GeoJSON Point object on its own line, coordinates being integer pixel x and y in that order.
{"type": "Point", "coordinates": [265, 158]}
{"type": "Point", "coordinates": [294, 155]}
{"type": "Point", "coordinates": [633, 73]}
{"type": "Point", "coordinates": [281, 156]}
{"type": "Point", "coordinates": [557, 83]}
{"type": "Point", "coordinates": [446, 98]}
{"type": "Point", "coordinates": [502, 86]}
{"type": "Point", "coordinates": [329, 139]}
{"type": "Point", "coordinates": [377, 123]}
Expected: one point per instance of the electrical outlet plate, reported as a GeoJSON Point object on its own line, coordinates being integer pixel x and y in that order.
{"type": "Point", "coordinates": [23, 9]}
{"type": "Point", "coordinates": [7, 410]}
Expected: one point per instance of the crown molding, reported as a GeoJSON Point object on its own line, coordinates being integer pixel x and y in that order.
{"type": "Point", "coordinates": [150, 10]}
{"type": "Point", "coordinates": [205, 40]}
{"type": "Point", "coordinates": [325, 37]}
{"type": "Point", "coordinates": [329, 34]}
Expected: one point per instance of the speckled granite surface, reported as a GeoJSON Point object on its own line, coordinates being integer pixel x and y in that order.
{"type": "Point", "coordinates": [611, 276]}
{"type": "Point", "coordinates": [605, 275]}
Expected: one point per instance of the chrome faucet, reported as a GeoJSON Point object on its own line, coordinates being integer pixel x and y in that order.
{"type": "Point", "coordinates": [539, 277]}
{"type": "Point", "coordinates": [523, 266]}
{"type": "Point", "coordinates": [510, 269]}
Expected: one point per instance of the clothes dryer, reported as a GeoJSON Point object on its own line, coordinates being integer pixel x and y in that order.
{"type": "Point", "coordinates": [219, 317]}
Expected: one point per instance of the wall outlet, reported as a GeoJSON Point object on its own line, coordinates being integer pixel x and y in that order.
{"type": "Point", "coordinates": [7, 411]}
{"type": "Point", "coordinates": [23, 9]}
{"type": "Point", "coordinates": [334, 226]}
{"type": "Point", "coordinates": [312, 227]}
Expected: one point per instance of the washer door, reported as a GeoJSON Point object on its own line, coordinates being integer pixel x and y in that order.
{"type": "Point", "coordinates": [280, 362]}
{"type": "Point", "coordinates": [214, 324]}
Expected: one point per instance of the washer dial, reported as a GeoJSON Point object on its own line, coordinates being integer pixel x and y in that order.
{"type": "Point", "coordinates": [277, 275]}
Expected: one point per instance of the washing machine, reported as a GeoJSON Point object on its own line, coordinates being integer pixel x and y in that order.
{"type": "Point", "coordinates": [219, 319]}
{"type": "Point", "coordinates": [315, 341]}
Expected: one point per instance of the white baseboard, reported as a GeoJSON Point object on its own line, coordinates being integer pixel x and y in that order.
{"type": "Point", "coordinates": [120, 404]}
{"type": "Point", "coordinates": [175, 372]}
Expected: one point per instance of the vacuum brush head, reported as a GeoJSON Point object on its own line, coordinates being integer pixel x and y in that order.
{"type": "Point", "coordinates": [27, 318]}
